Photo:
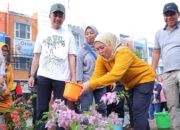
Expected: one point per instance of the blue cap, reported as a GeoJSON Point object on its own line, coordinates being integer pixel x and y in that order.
{"type": "Point", "coordinates": [170, 7]}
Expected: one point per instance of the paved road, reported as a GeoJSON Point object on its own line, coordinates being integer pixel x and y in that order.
{"type": "Point", "coordinates": [153, 125]}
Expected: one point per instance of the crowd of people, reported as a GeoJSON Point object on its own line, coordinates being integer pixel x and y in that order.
{"type": "Point", "coordinates": [102, 65]}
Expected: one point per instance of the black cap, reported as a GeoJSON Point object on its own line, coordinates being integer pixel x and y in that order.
{"type": "Point", "coordinates": [170, 7]}
{"type": "Point", "coordinates": [57, 7]}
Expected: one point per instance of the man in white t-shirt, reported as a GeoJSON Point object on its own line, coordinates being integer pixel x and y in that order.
{"type": "Point", "coordinates": [54, 57]}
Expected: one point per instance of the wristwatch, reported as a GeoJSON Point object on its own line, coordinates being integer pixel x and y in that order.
{"type": "Point", "coordinates": [31, 75]}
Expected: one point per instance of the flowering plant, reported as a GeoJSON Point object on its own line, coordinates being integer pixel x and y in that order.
{"type": "Point", "coordinates": [20, 112]}
{"type": "Point", "coordinates": [62, 116]}
{"type": "Point", "coordinates": [114, 97]}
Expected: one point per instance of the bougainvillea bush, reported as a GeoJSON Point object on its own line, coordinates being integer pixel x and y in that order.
{"type": "Point", "coordinates": [62, 116]}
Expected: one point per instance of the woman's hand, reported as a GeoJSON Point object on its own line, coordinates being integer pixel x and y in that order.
{"type": "Point", "coordinates": [113, 87]}
{"type": "Point", "coordinates": [86, 88]}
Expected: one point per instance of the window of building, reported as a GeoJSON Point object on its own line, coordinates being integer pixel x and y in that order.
{"type": "Point", "coordinates": [21, 63]}
{"type": "Point", "coordinates": [150, 52]}
{"type": "Point", "coordinates": [77, 39]}
{"type": "Point", "coordinates": [23, 30]}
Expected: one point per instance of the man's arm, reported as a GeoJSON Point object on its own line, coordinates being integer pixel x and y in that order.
{"type": "Point", "coordinates": [34, 66]}
{"type": "Point", "coordinates": [72, 66]}
{"type": "Point", "coordinates": [155, 58]}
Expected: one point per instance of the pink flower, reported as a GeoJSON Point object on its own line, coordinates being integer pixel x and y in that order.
{"type": "Point", "coordinates": [109, 98]}
{"type": "Point", "coordinates": [67, 118]}
{"type": "Point", "coordinates": [29, 102]}
{"type": "Point", "coordinates": [50, 123]}
{"type": "Point", "coordinates": [17, 124]}
{"type": "Point", "coordinates": [19, 115]}
{"type": "Point", "coordinates": [25, 114]}
{"type": "Point", "coordinates": [3, 127]}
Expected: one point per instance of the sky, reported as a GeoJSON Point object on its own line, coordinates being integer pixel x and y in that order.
{"type": "Point", "coordinates": [137, 18]}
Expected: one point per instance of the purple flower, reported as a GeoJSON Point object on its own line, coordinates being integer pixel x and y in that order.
{"type": "Point", "coordinates": [109, 98]}
{"type": "Point", "coordinates": [67, 118]}
{"type": "Point", "coordinates": [50, 123]}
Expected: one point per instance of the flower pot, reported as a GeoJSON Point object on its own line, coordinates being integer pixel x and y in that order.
{"type": "Point", "coordinates": [119, 127]}
{"type": "Point", "coordinates": [72, 91]}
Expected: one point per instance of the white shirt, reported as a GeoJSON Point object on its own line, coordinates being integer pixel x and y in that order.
{"type": "Point", "coordinates": [54, 46]}
{"type": "Point", "coordinates": [2, 64]}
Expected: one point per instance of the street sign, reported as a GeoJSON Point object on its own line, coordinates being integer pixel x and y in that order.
{"type": "Point", "coordinates": [2, 37]}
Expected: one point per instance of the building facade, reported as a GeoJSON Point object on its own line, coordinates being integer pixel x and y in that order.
{"type": "Point", "coordinates": [20, 33]}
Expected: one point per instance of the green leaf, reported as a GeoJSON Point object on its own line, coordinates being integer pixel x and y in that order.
{"type": "Point", "coordinates": [74, 126]}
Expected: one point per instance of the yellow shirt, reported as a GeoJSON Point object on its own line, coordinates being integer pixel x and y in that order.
{"type": "Point", "coordinates": [6, 104]}
{"type": "Point", "coordinates": [126, 68]}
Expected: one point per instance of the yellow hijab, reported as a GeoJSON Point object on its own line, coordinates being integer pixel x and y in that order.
{"type": "Point", "coordinates": [3, 44]}
{"type": "Point", "coordinates": [111, 41]}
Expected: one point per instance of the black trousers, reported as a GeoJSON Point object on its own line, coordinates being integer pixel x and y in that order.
{"type": "Point", "coordinates": [139, 99]}
{"type": "Point", "coordinates": [34, 101]}
{"type": "Point", "coordinates": [45, 86]}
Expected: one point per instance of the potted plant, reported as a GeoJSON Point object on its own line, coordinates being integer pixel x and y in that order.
{"type": "Point", "coordinates": [20, 113]}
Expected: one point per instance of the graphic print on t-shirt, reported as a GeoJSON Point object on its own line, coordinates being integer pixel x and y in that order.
{"type": "Point", "coordinates": [54, 53]}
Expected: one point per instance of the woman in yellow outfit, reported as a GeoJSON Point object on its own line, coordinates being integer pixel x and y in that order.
{"type": "Point", "coordinates": [118, 63]}
{"type": "Point", "coordinates": [6, 98]}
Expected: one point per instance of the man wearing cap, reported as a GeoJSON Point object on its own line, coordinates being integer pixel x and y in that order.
{"type": "Point", "coordinates": [54, 60]}
{"type": "Point", "coordinates": [167, 45]}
